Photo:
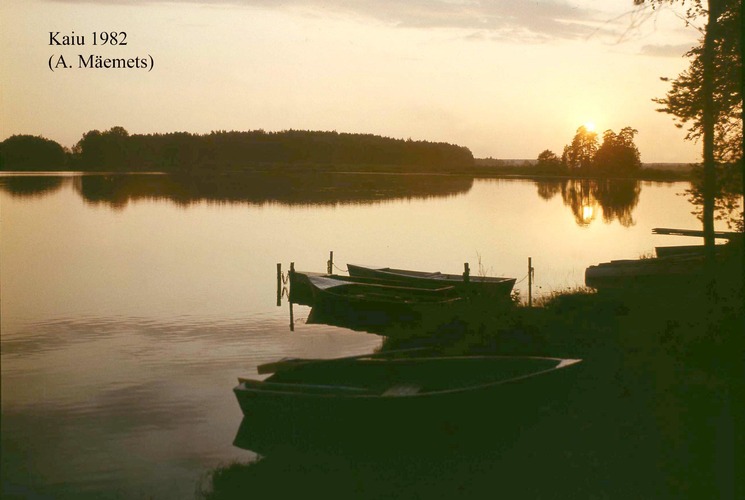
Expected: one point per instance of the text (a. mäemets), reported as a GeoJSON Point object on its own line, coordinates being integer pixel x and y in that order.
{"type": "Point", "coordinates": [93, 61]}
{"type": "Point", "coordinates": [114, 40]}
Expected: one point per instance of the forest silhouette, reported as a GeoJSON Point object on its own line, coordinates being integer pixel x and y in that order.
{"type": "Point", "coordinates": [117, 150]}
{"type": "Point", "coordinates": [617, 155]}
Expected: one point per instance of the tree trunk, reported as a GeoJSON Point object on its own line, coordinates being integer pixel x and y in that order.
{"type": "Point", "coordinates": [742, 155]}
{"type": "Point", "coordinates": [708, 119]}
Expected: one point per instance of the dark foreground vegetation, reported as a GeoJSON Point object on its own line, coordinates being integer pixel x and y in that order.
{"type": "Point", "coordinates": [655, 413]}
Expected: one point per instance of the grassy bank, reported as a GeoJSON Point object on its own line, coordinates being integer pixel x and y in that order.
{"type": "Point", "coordinates": [659, 410]}
{"type": "Point", "coordinates": [655, 412]}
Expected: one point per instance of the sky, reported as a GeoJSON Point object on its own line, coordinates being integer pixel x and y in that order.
{"type": "Point", "coordinates": [507, 79]}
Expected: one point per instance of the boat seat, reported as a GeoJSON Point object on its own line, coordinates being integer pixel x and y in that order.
{"type": "Point", "coordinates": [300, 387]}
{"type": "Point", "coordinates": [402, 390]}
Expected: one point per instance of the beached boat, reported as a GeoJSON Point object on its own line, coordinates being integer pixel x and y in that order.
{"type": "Point", "coordinates": [387, 388]}
{"type": "Point", "coordinates": [673, 270]}
{"type": "Point", "coordinates": [681, 265]}
{"type": "Point", "coordinates": [497, 286]}
{"type": "Point", "coordinates": [690, 250]}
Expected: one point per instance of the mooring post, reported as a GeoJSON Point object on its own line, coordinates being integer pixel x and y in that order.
{"type": "Point", "coordinates": [530, 281]}
{"type": "Point", "coordinates": [330, 263]}
{"type": "Point", "coordinates": [290, 279]}
{"type": "Point", "coordinates": [292, 318]}
{"type": "Point", "coordinates": [466, 272]}
{"type": "Point", "coordinates": [279, 284]}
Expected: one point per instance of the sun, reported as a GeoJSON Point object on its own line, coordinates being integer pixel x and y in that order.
{"type": "Point", "coordinates": [590, 126]}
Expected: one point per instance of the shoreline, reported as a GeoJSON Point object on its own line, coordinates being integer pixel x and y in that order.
{"type": "Point", "coordinates": [475, 172]}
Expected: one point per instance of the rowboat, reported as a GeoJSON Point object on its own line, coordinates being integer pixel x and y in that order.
{"type": "Point", "coordinates": [673, 270]}
{"type": "Point", "coordinates": [671, 251]}
{"type": "Point", "coordinates": [325, 287]}
{"type": "Point", "coordinates": [674, 266]}
{"type": "Point", "coordinates": [497, 286]}
{"type": "Point", "coordinates": [385, 304]}
{"type": "Point", "coordinates": [307, 287]}
{"type": "Point", "coordinates": [390, 388]}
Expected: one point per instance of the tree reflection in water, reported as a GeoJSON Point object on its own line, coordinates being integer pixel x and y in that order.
{"type": "Point", "coordinates": [261, 188]}
{"type": "Point", "coordinates": [26, 186]}
{"type": "Point", "coordinates": [615, 198]}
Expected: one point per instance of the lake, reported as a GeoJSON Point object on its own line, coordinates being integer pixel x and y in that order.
{"type": "Point", "coordinates": [131, 303]}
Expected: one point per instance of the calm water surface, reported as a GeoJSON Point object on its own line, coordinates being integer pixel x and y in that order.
{"type": "Point", "coordinates": [130, 304]}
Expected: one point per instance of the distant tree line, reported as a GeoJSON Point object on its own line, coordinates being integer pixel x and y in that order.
{"type": "Point", "coordinates": [617, 155]}
{"type": "Point", "coordinates": [117, 150]}
{"type": "Point", "coordinates": [26, 152]}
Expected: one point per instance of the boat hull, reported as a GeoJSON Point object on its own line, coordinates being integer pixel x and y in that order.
{"type": "Point", "coordinates": [276, 414]}
{"type": "Point", "coordinates": [483, 285]}
{"type": "Point", "coordinates": [374, 302]}
{"type": "Point", "coordinates": [672, 271]}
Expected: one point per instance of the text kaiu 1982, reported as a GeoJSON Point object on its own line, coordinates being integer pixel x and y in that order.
{"type": "Point", "coordinates": [118, 39]}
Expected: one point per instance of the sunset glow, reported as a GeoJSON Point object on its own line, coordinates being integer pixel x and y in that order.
{"type": "Point", "coordinates": [504, 79]}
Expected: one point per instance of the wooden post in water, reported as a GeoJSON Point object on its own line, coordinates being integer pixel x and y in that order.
{"type": "Point", "coordinates": [330, 263]}
{"type": "Point", "coordinates": [530, 281]}
{"type": "Point", "coordinates": [292, 318]}
{"type": "Point", "coordinates": [279, 284]}
{"type": "Point", "coordinates": [466, 272]}
{"type": "Point", "coordinates": [290, 275]}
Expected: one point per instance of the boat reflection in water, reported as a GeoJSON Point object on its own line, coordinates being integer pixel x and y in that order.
{"type": "Point", "coordinates": [362, 319]}
{"type": "Point", "coordinates": [373, 305]}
